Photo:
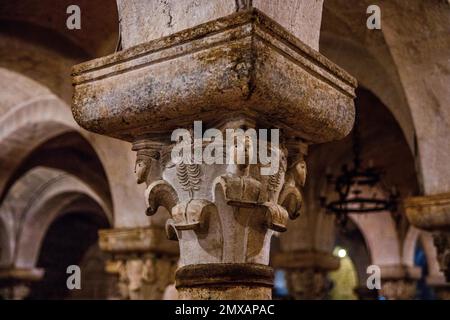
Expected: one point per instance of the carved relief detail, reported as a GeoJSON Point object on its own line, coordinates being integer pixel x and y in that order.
{"type": "Point", "coordinates": [144, 278]}
{"type": "Point", "coordinates": [233, 207]}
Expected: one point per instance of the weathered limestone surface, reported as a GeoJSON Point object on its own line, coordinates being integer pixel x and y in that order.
{"type": "Point", "coordinates": [302, 18]}
{"type": "Point", "coordinates": [229, 65]}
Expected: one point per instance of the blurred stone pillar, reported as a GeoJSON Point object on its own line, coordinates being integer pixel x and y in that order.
{"type": "Point", "coordinates": [432, 213]}
{"type": "Point", "coordinates": [399, 282]}
{"type": "Point", "coordinates": [232, 66]}
{"type": "Point", "coordinates": [15, 282]}
{"type": "Point", "coordinates": [307, 273]}
{"type": "Point", "coordinates": [440, 287]}
{"type": "Point", "coordinates": [142, 259]}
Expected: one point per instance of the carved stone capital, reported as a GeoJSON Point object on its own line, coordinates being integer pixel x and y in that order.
{"type": "Point", "coordinates": [399, 282]}
{"type": "Point", "coordinates": [399, 289]}
{"type": "Point", "coordinates": [142, 277]}
{"type": "Point", "coordinates": [306, 272]}
{"type": "Point", "coordinates": [15, 282]}
{"type": "Point", "coordinates": [143, 260]}
{"type": "Point", "coordinates": [432, 213]}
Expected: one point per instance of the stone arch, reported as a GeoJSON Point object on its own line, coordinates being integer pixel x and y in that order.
{"type": "Point", "coordinates": [373, 74]}
{"type": "Point", "coordinates": [403, 49]}
{"type": "Point", "coordinates": [30, 116]}
{"type": "Point", "coordinates": [43, 196]}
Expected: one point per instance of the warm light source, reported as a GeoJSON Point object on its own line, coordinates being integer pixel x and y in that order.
{"type": "Point", "coordinates": [342, 253]}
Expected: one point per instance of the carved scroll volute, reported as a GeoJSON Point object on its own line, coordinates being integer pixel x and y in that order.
{"type": "Point", "coordinates": [160, 194]}
{"type": "Point", "coordinates": [276, 217]}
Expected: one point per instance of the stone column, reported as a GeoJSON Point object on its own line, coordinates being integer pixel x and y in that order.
{"type": "Point", "coordinates": [242, 72]}
{"type": "Point", "coordinates": [15, 282]}
{"type": "Point", "coordinates": [142, 259]}
{"type": "Point", "coordinates": [399, 282]}
{"type": "Point", "coordinates": [306, 273]}
{"type": "Point", "coordinates": [432, 213]}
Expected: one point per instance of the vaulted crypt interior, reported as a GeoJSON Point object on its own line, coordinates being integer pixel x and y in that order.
{"type": "Point", "coordinates": [70, 136]}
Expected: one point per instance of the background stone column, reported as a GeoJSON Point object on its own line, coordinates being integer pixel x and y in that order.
{"type": "Point", "coordinates": [399, 282]}
{"type": "Point", "coordinates": [307, 273]}
{"type": "Point", "coordinates": [432, 213]}
{"type": "Point", "coordinates": [142, 259]}
{"type": "Point", "coordinates": [15, 282]}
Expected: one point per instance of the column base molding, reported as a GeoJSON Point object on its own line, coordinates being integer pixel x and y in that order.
{"type": "Point", "coordinates": [234, 281]}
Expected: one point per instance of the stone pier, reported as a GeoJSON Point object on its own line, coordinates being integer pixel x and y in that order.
{"type": "Point", "coordinates": [241, 65]}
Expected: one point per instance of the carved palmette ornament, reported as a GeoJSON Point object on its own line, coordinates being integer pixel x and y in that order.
{"type": "Point", "coordinates": [189, 177]}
